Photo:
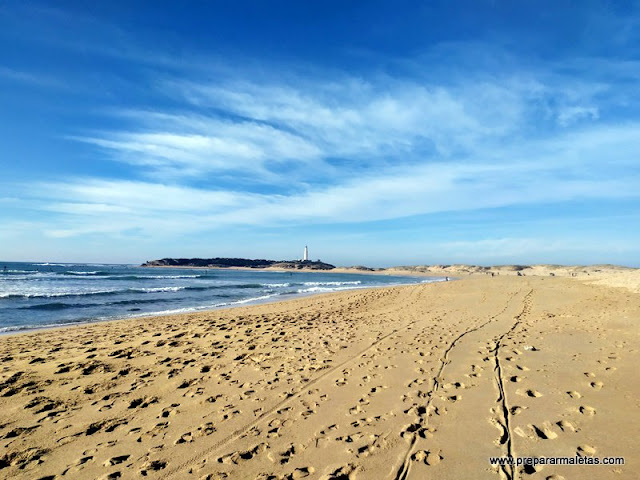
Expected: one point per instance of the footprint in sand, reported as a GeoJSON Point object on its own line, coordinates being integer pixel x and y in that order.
{"type": "Point", "coordinates": [206, 429]}
{"type": "Point", "coordinates": [155, 431]}
{"type": "Point", "coordinates": [588, 411]}
{"type": "Point", "coordinates": [169, 411]}
{"type": "Point", "coordinates": [544, 431]}
{"type": "Point", "coordinates": [515, 410]}
{"type": "Point", "coordinates": [586, 450]}
{"type": "Point", "coordinates": [355, 410]}
{"type": "Point", "coordinates": [566, 426]}
{"type": "Point", "coordinates": [143, 402]}
{"type": "Point", "coordinates": [456, 385]}
{"type": "Point", "coordinates": [116, 460]}
{"type": "Point", "coordinates": [185, 438]}
{"type": "Point", "coordinates": [413, 429]}
{"type": "Point", "coordinates": [294, 449]}
{"type": "Point", "coordinates": [16, 432]}
{"type": "Point", "coordinates": [347, 472]}
{"type": "Point", "coordinates": [429, 457]}
{"type": "Point", "coordinates": [240, 456]}
{"type": "Point", "coordinates": [153, 466]}
{"type": "Point", "coordinates": [533, 393]}
{"type": "Point", "coordinates": [76, 466]}
{"type": "Point", "coordinates": [111, 476]}
{"type": "Point", "coordinates": [301, 473]}
{"type": "Point", "coordinates": [107, 425]}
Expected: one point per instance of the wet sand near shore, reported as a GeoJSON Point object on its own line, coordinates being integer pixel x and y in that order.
{"type": "Point", "coordinates": [412, 382]}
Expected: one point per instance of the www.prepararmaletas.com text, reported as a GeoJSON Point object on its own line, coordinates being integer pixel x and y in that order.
{"type": "Point", "coordinates": [576, 460]}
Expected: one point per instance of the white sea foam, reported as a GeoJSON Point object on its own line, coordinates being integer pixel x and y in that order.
{"type": "Point", "coordinates": [319, 284]}
{"type": "Point", "coordinates": [246, 300]}
{"type": "Point", "coordinates": [168, 276]}
{"type": "Point", "coordinates": [18, 328]}
{"type": "Point", "coordinates": [174, 311]}
{"type": "Point", "coordinates": [326, 289]}
{"type": "Point", "coordinates": [156, 289]}
{"type": "Point", "coordinates": [64, 293]}
{"type": "Point", "coordinates": [203, 307]}
{"type": "Point", "coordinates": [132, 277]}
{"type": "Point", "coordinates": [73, 293]}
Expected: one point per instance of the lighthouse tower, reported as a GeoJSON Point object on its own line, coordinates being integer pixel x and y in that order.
{"type": "Point", "coordinates": [305, 257]}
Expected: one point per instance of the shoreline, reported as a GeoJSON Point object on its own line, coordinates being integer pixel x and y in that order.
{"type": "Point", "coordinates": [363, 383]}
{"type": "Point", "coordinates": [606, 275]}
{"type": "Point", "coordinates": [36, 330]}
{"type": "Point", "coordinates": [238, 304]}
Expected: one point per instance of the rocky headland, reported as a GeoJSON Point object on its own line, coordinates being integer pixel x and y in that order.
{"type": "Point", "coordinates": [239, 263]}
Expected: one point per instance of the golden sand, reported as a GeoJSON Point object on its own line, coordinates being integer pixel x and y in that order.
{"type": "Point", "coordinates": [423, 381]}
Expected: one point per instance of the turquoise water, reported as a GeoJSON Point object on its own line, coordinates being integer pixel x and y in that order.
{"type": "Point", "coordinates": [35, 295]}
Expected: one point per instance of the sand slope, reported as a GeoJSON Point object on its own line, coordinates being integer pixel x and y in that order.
{"type": "Point", "coordinates": [422, 381]}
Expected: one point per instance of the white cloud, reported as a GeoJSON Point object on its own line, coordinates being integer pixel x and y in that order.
{"type": "Point", "coordinates": [196, 145]}
{"type": "Point", "coordinates": [242, 127]}
{"type": "Point", "coordinates": [278, 131]}
{"type": "Point", "coordinates": [131, 196]}
{"type": "Point", "coordinates": [360, 118]}
{"type": "Point", "coordinates": [546, 171]}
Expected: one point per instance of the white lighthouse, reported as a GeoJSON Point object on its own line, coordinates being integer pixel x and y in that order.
{"type": "Point", "coordinates": [305, 257]}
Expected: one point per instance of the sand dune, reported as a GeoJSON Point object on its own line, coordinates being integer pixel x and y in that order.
{"type": "Point", "coordinates": [610, 275]}
{"type": "Point", "coordinates": [412, 382]}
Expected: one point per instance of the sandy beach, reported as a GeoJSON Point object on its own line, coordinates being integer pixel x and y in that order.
{"type": "Point", "coordinates": [411, 382]}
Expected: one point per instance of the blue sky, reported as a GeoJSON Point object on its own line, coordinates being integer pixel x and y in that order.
{"type": "Point", "coordinates": [378, 133]}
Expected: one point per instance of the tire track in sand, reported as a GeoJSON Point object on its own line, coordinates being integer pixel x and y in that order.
{"type": "Point", "coordinates": [503, 414]}
{"type": "Point", "coordinates": [404, 470]}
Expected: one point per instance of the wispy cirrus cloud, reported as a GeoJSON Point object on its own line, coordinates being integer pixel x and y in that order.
{"type": "Point", "coordinates": [194, 145]}
{"type": "Point", "coordinates": [274, 129]}
{"type": "Point", "coordinates": [544, 173]}
{"type": "Point", "coordinates": [249, 126]}
{"type": "Point", "coordinates": [348, 150]}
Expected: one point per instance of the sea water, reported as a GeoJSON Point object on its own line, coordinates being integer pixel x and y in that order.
{"type": "Point", "coordinates": [35, 295]}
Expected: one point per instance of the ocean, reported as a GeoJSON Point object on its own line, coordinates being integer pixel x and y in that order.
{"type": "Point", "coordinates": [36, 295]}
